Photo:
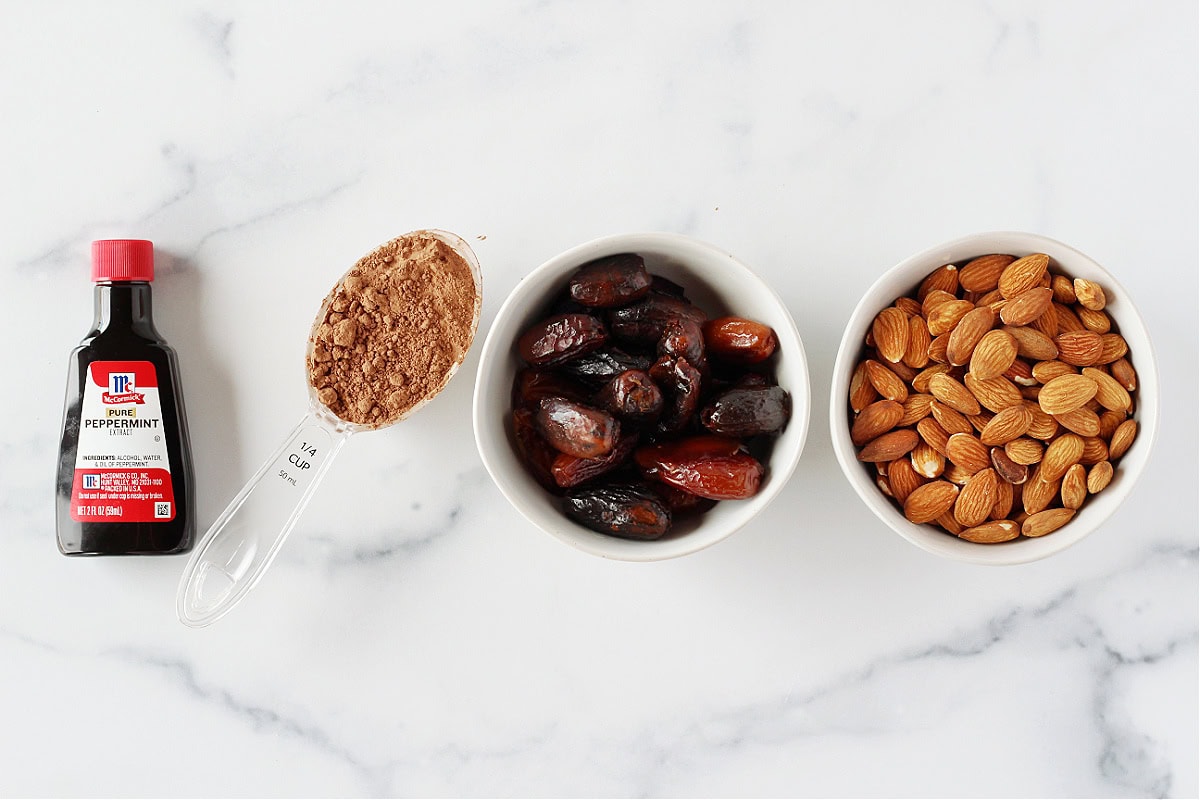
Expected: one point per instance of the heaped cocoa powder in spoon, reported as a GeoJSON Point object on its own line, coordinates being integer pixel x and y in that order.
{"type": "Point", "coordinates": [393, 329]}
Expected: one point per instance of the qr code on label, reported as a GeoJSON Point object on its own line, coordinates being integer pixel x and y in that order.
{"type": "Point", "coordinates": [162, 510]}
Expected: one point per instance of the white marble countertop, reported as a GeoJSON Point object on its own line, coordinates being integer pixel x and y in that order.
{"type": "Point", "coordinates": [417, 636]}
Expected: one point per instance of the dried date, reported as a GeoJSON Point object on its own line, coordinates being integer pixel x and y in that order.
{"type": "Point", "coordinates": [700, 467]}
{"type": "Point", "coordinates": [610, 281]}
{"type": "Point", "coordinates": [632, 395]}
{"type": "Point", "coordinates": [682, 338]}
{"type": "Point", "coordinates": [625, 511]}
{"type": "Point", "coordinates": [576, 429]}
{"type": "Point", "coordinates": [739, 340]}
{"type": "Point", "coordinates": [568, 471]}
{"type": "Point", "coordinates": [643, 322]}
{"type": "Point", "coordinates": [530, 386]}
{"type": "Point", "coordinates": [536, 454]}
{"type": "Point", "coordinates": [560, 338]}
{"type": "Point", "coordinates": [748, 411]}
{"type": "Point", "coordinates": [683, 394]}
{"type": "Point", "coordinates": [599, 367]}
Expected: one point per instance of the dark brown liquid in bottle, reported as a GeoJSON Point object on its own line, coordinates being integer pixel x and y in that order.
{"type": "Point", "coordinates": [124, 331]}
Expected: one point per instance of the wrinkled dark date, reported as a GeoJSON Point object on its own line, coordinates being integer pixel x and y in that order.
{"type": "Point", "coordinates": [649, 414]}
{"type": "Point", "coordinates": [738, 340]}
{"type": "Point", "coordinates": [576, 429]}
{"type": "Point", "coordinates": [600, 366]}
{"type": "Point", "coordinates": [643, 322]}
{"type": "Point", "coordinates": [568, 471]}
{"type": "Point", "coordinates": [628, 512]}
{"type": "Point", "coordinates": [530, 386]}
{"type": "Point", "coordinates": [560, 338]}
{"type": "Point", "coordinates": [610, 281]}
{"type": "Point", "coordinates": [748, 411]}
{"type": "Point", "coordinates": [632, 395]}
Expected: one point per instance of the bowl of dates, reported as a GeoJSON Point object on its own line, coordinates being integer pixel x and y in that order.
{"type": "Point", "coordinates": [641, 396]}
{"type": "Point", "coordinates": [994, 398]}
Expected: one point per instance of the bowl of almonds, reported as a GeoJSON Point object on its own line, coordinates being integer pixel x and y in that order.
{"type": "Point", "coordinates": [641, 396]}
{"type": "Point", "coordinates": [994, 398]}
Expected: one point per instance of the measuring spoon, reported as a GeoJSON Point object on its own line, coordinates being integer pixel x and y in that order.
{"type": "Point", "coordinates": [241, 544]}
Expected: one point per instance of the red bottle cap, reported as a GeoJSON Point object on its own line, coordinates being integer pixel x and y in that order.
{"type": "Point", "coordinates": [122, 260]}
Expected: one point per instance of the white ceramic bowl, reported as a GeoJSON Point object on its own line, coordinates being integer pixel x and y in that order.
{"type": "Point", "coordinates": [903, 279]}
{"type": "Point", "coordinates": [715, 281]}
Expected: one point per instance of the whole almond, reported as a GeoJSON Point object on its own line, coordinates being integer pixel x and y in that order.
{"type": "Point", "coordinates": [1112, 347]}
{"type": "Point", "coordinates": [929, 501]}
{"type": "Point", "coordinates": [949, 523]}
{"type": "Point", "coordinates": [1074, 486]}
{"type": "Point", "coordinates": [1066, 393]}
{"type": "Point", "coordinates": [890, 330]}
{"type": "Point", "coordinates": [1082, 421]}
{"type": "Point", "coordinates": [1096, 321]}
{"type": "Point", "coordinates": [1079, 348]}
{"type": "Point", "coordinates": [1004, 500]}
{"type": "Point", "coordinates": [890, 446]}
{"type": "Point", "coordinates": [1046, 371]}
{"type": "Point", "coordinates": [994, 394]}
{"type": "Point", "coordinates": [944, 278]}
{"type": "Point", "coordinates": [980, 421]}
{"type": "Point", "coordinates": [1064, 290]}
{"type": "Point", "coordinates": [953, 394]}
{"type": "Point", "coordinates": [993, 355]}
{"type": "Point", "coordinates": [875, 420]}
{"type": "Point", "coordinates": [916, 408]}
{"type": "Point", "coordinates": [1024, 451]}
{"type": "Point", "coordinates": [1019, 372]}
{"type": "Point", "coordinates": [983, 274]}
{"type": "Point", "coordinates": [902, 479]}
{"type": "Point", "coordinates": [916, 355]}
{"type": "Point", "coordinates": [862, 391]}
{"type": "Point", "coordinates": [994, 532]}
{"type": "Point", "coordinates": [921, 382]}
{"type": "Point", "coordinates": [1099, 477]}
{"type": "Point", "coordinates": [1109, 392]}
{"type": "Point", "coordinates": [1008, 470]}
{"type": "Point", "coordinates": [926, 461]}
{"type": "Point", "coordinates": [968, 452]}
{"type": "Point", "coordinates": [909, 306]}
{"type": "Point", "coordinates": [933, 434]}
{"type": "Point", "coordinates": [1124, 373]}
{"type": "Point", "coordinates": [1095, 450]}
{"type": "Point", "coordinates": [937, 349]}
{"type": "Point", "coordinates": [1048, 521]}
{"type": "Point", "coordinates": [1037, 493]}
{"type": "Point", "coordinates": [1032, 344]}
{"type": "Point", "coordinates": [1068, 320]}
{"type": "Point", "coordinates": [1026, 307]}
{"type": "Point", "coordinates": [886, 382]}
{"type": "Point", "coordinates": [1047, 323]}
{"type": "Point", "coordinates": [956, 474]}
{"type": "Point", "coordinates": [1122, 439]}
{"type": "Point", "coordinates": [1043, 426]}
{"type": "Point", "coordinates": [1089, 294]}
{"type": "Point", "coordinates": [976, 499]}
{"type": "Point", "coordinates": [1023, 274]}
{"type": "Point", "coordinates": [967, 334]}
{"type": "Point", "coordinates": [952, 421]}
{"type": "Point", "coordinates": [1008, 424]}
{"type": "Point", "coordinates": [943, 317]}
{"type": "Point", "coordinates": [934, 299]}
{"type": "Point", "coordinates": [1060, 455]}
{"type": "Point", "coordinates": [1109, 422]}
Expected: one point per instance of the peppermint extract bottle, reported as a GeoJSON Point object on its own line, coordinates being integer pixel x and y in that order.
{"type": "Point", "coordinates": [124, 465]}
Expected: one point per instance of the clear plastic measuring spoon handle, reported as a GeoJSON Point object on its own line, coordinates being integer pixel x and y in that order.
{"type": "Point", "coordinates": [236, 551]}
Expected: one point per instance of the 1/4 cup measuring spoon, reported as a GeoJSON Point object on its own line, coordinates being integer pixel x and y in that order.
{"type": "Point", "coordinates": [241, 544]}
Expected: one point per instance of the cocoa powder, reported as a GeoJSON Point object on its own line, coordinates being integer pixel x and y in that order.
{"type": "Point", "coordinates": [393, 329]}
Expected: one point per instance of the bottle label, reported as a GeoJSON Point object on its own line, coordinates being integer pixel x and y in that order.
{"type": "Point", "coordinates": [122, 473]}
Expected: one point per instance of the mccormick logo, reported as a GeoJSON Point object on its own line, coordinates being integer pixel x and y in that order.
{"type": "Point", "coordinates": [121, 390]}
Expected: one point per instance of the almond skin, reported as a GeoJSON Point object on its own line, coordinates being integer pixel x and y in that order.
{"type": "Point", "coordinates": [1004, 500]}
{"type": "Point", "coordinates": [1060, 455]}
{"type": "Point", "coordinates": [926, 461]}
{"type": "Point", "coordinates": [1082, 421]}
{"type": "Point", "coordinates": [1026, 307]}
{"type": "Point", "coordinates": [1046, 371]}
{"type": "Point", "coordinates": [1008, 470]}
{"type": "Point", "coordinates": [930, 501]}
{"type": "Point", "coordinates": [967, 334]}
{"type": "Point", "coordinates": [875, 420]}
{"type": "Point", "coordinates": [1122, 439]}
{"type": "Point", "coordinates": [1109, 392]}
{"type": "Point", "coordinates": [1124, 373]}
{"type": "Point", "coordinates": [890, 446]}
{"type": "Point", "coordinates": [954, 394]}
{"type": "Point", "coordinates": [902, 479]}
{"type": "Point", "coordinates": [1079, 348]}
{"type": "Point", "coordinates": [862, 391]}
{"type": "Point", "coordinates": [1066, 393]}
{"type": "Point", "coordinates": [916, 408]}
{"type": "Point", "coordinates": [933, 434]}
{"type": "Point", "coordinates": [1024, 451]}
{"type": "Point", "coordinates": [1090, 295]}
{"type": "Point", "coordinates": [994, 394]}
{"type": "Point", "coordinates": [994, 532]}
{"type": "Point", "coordinates": [1112, 347]}
{"type": "Point", "coordinates": [1023, 274]}
{"type": "Point", "coordinates": [943, 317]}
{"type": "Point", "coordinates": [916, 355]}
{"type": "Point", "coordinates": [1099, 477]}
{"type": "Point", "coordinates": [1064, 290]}
{"type": "Point", "coordinates": [886, 382]}
{"type": "Point", "coordinates": [950, 420]}
{"type": "Point", "coordinates": [944, 278]}
{"type": "Point", "coordinates": [1032, 344]}
{"type": "Point", "coordinates": [969, 453]}
{"type": "Point", "coordinates": [890, 330]}
{"type": "Point", "coordinates": [1037, 493]}
{"type": "Point", "coordinates": [1074, 487]}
